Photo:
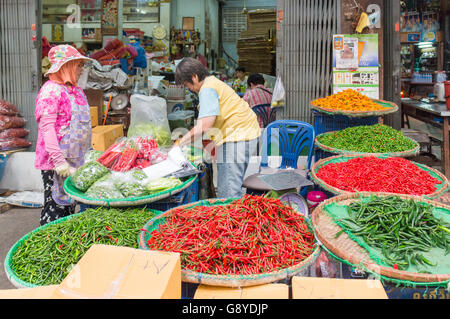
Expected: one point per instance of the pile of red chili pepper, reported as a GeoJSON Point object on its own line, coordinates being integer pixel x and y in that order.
{"type": "Point", "coordinates": [251, 235]}
{"type": "Point", "coordinates": [131, 153]}
{"type": "Point", "coordinates": [372, 174]}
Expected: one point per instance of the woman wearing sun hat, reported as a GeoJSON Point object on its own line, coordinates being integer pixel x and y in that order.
{"type": "Point", "coordinates": [64, 129]}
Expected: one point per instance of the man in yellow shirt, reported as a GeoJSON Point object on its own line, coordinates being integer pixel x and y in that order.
{"type": "Point", "coordinates": [227, 118]}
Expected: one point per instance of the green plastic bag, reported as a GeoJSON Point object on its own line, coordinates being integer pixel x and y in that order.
{"type": "Point", "coordinates": [88, 174]}
{"type": "Point", "coordinates": [162, 183]}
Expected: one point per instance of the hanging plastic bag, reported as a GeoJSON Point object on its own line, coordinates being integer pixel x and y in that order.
{"type": "Point", "coordinates": [278, 95]}
{"type": "Point", "coordinates": [148, 118]}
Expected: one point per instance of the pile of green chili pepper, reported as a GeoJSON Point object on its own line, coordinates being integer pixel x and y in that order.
{"type": "Point", "coordinates": [401, 228]}
{"type": "Point", "coordinates": [376, 138]}
{"type": "Point", "coordinates": [47, 256]}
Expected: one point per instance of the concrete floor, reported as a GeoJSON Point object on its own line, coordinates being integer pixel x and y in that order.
{"type": "Point", "coordinates": [14, 224]}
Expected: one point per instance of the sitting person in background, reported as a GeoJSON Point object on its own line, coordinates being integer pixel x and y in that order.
{"type": "Point", "coordinates": [258, 93]}
{"type": "Point", "coordinates": [240, 83]}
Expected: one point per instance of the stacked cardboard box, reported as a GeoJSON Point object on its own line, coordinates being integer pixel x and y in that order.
{"type": "Point", "coordinates": [256, 45]}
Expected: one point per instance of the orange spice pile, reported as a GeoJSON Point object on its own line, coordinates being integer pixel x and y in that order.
{"type": "Point", "coordinates": [348, 100]}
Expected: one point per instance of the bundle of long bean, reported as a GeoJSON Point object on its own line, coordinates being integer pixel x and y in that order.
{"type": "Point", "coordinates": [401, 228]}
{"type": "Point", "coordinates": [376, 138]}
{"type": "Point", "coordinates": [46, 257]}
{"type": "Point", "coordinates": [251, 235]}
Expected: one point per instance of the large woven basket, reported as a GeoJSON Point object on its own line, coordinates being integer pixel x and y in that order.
{"type": "Point", "coordinates": [407, 153]}
{"type": "Point", "coordinates": [343, 158]}
{"type": "Point", "coordinates": [81, 197]}
{"type": "Point", "coordinates": [389, 108]}
{"type": "Point", "coordinates": [352, 253]}
{"type": "Point", "coordinates": [11, 275]}
{"type": "Point", "coordinates": [226, 280]}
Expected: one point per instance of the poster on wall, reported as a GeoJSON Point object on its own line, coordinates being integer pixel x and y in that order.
{"type": "Point", "coordinates": [362, 74]}
{"type": "Point", "coordinates": [345, 51]}
{"type": "Point", "coordinates": [110, 17]}
{"type": "Point", "coordinates": [365, 80]}
{"type": "Point", "coordinates": [57, 32]}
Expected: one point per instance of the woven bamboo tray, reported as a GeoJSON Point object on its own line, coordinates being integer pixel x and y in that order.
{"type": "Point", "coordinates": [408, 153]}
{"type": "Point", "coordinates": [390, 107]}
{"type": "Point", "coordinates": [337, 191]}
{"type": "Point", "coordinates": [347, 249]}
{"type": "Point", "coordinates": [79, 196]}
{"type": "Point", "coordinates": [226, 280]}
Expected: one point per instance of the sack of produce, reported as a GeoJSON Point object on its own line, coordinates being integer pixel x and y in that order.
{"type": "Point", "coordinates": [162, 183]}
{"type": "Point", "coordinates": [7, 108]}
{"type": "Point", "coordinates": [130, 184]}
{"type": "Point", "coordinates": [104, 188]}
{"type": "Point", "coordinates": [88, 174]}
{"type": "Point", "coordinates": [14, 132]}
{"type": "Point", "coordinates": [92, 156]}
{"type": "Point", "coordinates": [13, 143]}
{"type": "Point", "coordinates": [148, 118]}
{"type": "Point", "coordinates": [7, 122]}
{"type": "Point", "coordinates": [132, 153]}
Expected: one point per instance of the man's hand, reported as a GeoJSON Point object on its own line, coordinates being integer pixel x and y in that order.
{"type": "Point", "coordinates": [203, 124]}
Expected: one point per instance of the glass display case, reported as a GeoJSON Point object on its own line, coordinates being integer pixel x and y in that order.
{"type": "Point", "coordinates": [91, 10]}
{"type": "Point", "coordinates": [425, 57]}
{"type": "Point", "coordinates": [55, 11]}
{"type": "Point", "coordinates": [407, 60]}
{"type": "Point", "coordinates": [141, 11]}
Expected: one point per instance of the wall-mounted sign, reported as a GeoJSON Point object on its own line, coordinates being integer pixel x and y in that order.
{"type": "Point", "coordinates": [364, 80]}
{"type": "Point", "coordinates": [355, 63]}
{"type": "Point", "coordinates": [110, 17]}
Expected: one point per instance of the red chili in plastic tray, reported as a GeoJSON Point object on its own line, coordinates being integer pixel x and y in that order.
{"type": "Point", "coordinates": [251, 235]}
{"type": "Point", "coordinates": [372, 174]}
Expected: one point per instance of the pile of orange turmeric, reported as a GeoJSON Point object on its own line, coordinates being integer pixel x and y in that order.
{"type": "Point", "coordinates": [348, 100]}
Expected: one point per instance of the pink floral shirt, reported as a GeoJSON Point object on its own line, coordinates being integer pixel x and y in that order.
{"type": "Point", "coordinates": [53, 100]}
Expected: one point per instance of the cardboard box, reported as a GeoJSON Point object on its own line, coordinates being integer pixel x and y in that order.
{"type": "Point", "coordinates": [104, 136]}
{"type": "Point", "coordinates": [121, 272]}
{"type": "Point", "coordinates": [95, 98]}
{"type": "Point", "coordinates": [269, 291]}
{"type": "Point", "coordinates": [94, 116]}
{"type": "Point", "coordinates": [44, 292]}
{"type": "Point", "coordinates": [332, 288]}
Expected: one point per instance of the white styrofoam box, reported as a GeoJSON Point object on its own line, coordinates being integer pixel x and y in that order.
{"type": "Point", "coordinates": [20, 173]}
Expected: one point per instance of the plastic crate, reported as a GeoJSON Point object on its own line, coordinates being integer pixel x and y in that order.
{"type": "Point", "coordinates": [186, 196]}
{"type": "Point", "coordinates": [3, 160]}
{"type": "Point", "coordinates": [327, 123]}
{"type": "Point", "coordinates": [394, 292]}
{"type": "Point", "coordinates": [188, 290]}
{"type": "Point", "coordinates": [320, 154]}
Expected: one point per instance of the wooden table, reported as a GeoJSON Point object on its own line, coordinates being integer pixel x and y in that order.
{"type": "Point", "coordinates": [428, 113]}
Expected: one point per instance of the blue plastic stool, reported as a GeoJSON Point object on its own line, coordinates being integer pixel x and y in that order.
{"type": "Point", "coordinates": [292, 137]}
